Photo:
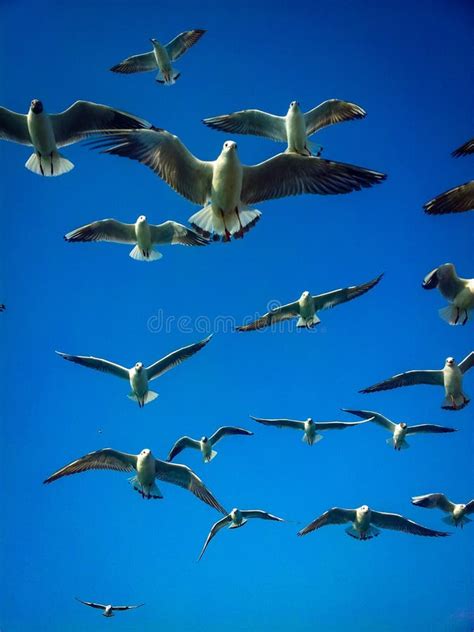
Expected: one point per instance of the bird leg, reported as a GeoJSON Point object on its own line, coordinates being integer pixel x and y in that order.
{"type": "Point", "coordinates": [41, 164]}
{"type": "Point", "coordinates": [51, 156]}
{"type": "Point", "coordinates": [466, 317]}
{"type": "Point", "coordinates": [453, 402]}
{"type": "Point", "coordinates": [457, 316]}
{"type": "Point", "coordinates": [240, 233]}
{"type": "Point", "coordinates": [227, 235]}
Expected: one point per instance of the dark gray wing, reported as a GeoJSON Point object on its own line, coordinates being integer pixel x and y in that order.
{"type": "Point", "coordinates": [337, 425]}
{"type": "Point", "coordinates": [469, 507]}
{"type": "Point", "coordinates": [225, 431]}
{"type": "Point", "coordinates": [98, 364]}
{"type": "Point", "coordinates": [435, 378]}
{"type": "Point", "coordinates": [105, 459]}
{"type": "Point", "coordinates": [467, 363]}
{"type": "Point", "coordinates": [175, 358]}
{"type": "Point", "coordinates": [136, 63]}
{"type": "Point", "coordinates": [280, 423]}
{"type": "Point", "coordinates": [291, 174]}
{"type": "Point", "coordinates": [285, 312]}
{"type": "Point", "coordinates": [399, 523]}
{"type": "Point", "coordinates": [173, 233]}
{"type": "Point", "coordinates": [181, 444]}
{"type": "Point", "coordinates": [330, 112]}
{"type": "Point", "coordinates": [330, 299]}
{"type": "Point", "coordinates": [430, 282]}
{"type": "Point", "coordinates": [254, 122]}
{"type": "Point", "coordinates": [456, 200]}
{"type": "Point", "coordinates": [420, 428]}
{"type": "Point", "coordinates": [464, 150]}
{"type": "Point", "coordinates": [183, 42]}
{"type": "Point", "coordinates": [104, 230]}
{"type": "Point", "coordinates": [127, 607]}
{"type": "Point", "coordinates": [336, 515]}
{"type": "Point", "coordinates": [216, 527]}
{"type": "Point", "coordinates": [14, 127]}
{"type": "Point", "coordinates": [433, 501]}
{"type": "Point", "coordinates": [92, 604]}
{"type": "Point", "coordinates": [258, 513]}
{"type": "Point", "coordinates": [376, 417]}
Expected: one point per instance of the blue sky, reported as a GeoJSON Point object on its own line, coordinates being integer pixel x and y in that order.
{"type": "Point", "coordinates": [91, 536]}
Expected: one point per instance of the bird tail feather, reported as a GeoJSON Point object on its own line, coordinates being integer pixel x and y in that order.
{"type": "Point", "coordinates": [236, 526]}
{"type": "Point", "coordinates": [235, 224]}
{"type": "Point", "coordinates": [145, 491]}
{"type": "Point", "coordinates": [308, 322]}
{"type": "Point", "coordinates": [168, 79]}
{"type": "Point", "coordinates": [210, 457]}
{"type": "Point", "coordinates": [450, 520]}
{"type": "Point", "coordinates": [372, 532]}
{"type": "Point", "coordinates": [404, 445]}
{"type": "Point", "coordinates": [312, 440]}
{"type": "Point", "coordinates": [54, 165]}
{"type": "Point", "coordinates": [138, 255]}
{"type": "Point", "coordinates": [460, 401]}
{"type": "Point", "coordinates": [452, 315]}
{"type": "Point", "coordinates": [149, 397]}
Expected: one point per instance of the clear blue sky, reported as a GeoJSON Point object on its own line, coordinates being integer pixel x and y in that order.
{"type": "Point", "coordinates": [409, 64]}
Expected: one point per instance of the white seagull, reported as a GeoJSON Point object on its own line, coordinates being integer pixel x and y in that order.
{"type": "Point", "coordinates": [398, 430]}
{"type": "Point", "coordinates": [160, 57]}
{"type": "Point", "coordinates": [365, 522]}
{"type": "Point", "coordinates": [457, 512]}
{"type": "Point", "coordinates": [108, 609]}
{"type": "Point", "coordinates": [450, 376]}
{"type": "Point", "coordinates": [235, 519]}
{"type": "Point", "coordinates": [139, 375]}
{"type": "Point", "coordinates": [205, 444]}
{"type": "Point", "coordinates": [147, 468]}
{"type": "Point", "coordinates": [458, 291]}
{"type": "Point", "coordinates": [309, 427]}
{"type": "Point", "coordinates": [48, 132]}
{"type": "Point", "coordinates": [294, 128]}
{"type": "Point", "coordinates": [224, 186]}
{"type": "Point", "coordinates": [458, 199]}
{"type": "Point", "coordinates": [307, 306]}
{"type": "Point", "coordinates": [141, 233]}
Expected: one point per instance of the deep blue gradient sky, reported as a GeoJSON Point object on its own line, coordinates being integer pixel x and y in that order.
{"type": "Point", "coordinates": [409, 64]}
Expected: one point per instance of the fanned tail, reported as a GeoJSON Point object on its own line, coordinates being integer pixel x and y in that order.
{"type": "Point", "coordinates": [168, 78]}
{"type": "Point", "coordinates": [152, 255]}
{"type": "Point", "coordinates": [372, 532]}
{"type": "Point", "coordinates": [145, 491]}
{"type": "Point", "coordinates": [454, 315]}
{"type": "Point", "coordinates": [52, 165]}
{"type": "Point", "coordinates": [224, 225]}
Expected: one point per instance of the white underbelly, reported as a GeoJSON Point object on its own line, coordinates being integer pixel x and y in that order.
{"type": "Point", "coordinates": [226, 189]}
{"type": "Point", "coordinates": [139, 383]}
{"type": "Point", "coordinates": [41, 134]}
{"type": "Point", "coordinates": [465, 299]}
{"type": "Point", "coordinates": [296, 133]}
{"type": "Point", "coordinates": [453, 383]}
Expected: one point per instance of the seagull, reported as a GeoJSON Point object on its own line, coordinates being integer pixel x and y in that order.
{"type": "Point", "coordinates": [143, 234]}
{"type": "Point", "coordinates": [309, 427]}
{"type": "Point", "coordinates": [46, 132]}
{"type": "Point", "coordinates": [224, 186]}
{"type": "Point", "coordinates": [160, 57]}
{"type": "Point", "coordinates": [460, 293]}
{"type": "Point", "coordinates": [206, 444]}
{"type": "Point", "coordinates": [294, 128]}
{"type": "Point", "coordinates": [450, 376]}
{"type": "Point", "coordinates": [398, 430]}
{"type": "Point", "coordinates": [307, 306]}
{"type": "Point", "coordinates": [458, 199]}
{"type": "Point", "coordinates": [365, 522]}
{"type": "Point", "coordinates": [457, 512]}
{"type": "Point", "coordinates": [147, 468]}
{"type": "Point", "coordinates": [138, 375]}
{"type": "Point", "coordinates": [108, 609]}
{"type": "Point", "coordinates": [235, 519]}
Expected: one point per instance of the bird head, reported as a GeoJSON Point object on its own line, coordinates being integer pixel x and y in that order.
{"type": "Point", "coordinates": [204, 439]}
{"type": "Point", "coordinates": [403, 425]}
{"type": "Point", "coordinates": [294, 106]}
{"type": "Point", "coordinates": [229, 146]}
{"type": "Point", "coordinates": [141, 219]}
{"type": "Point", "coordinates": [36, 106]}
{"type": "Point", "coordinates": [138, 367]}
{"type": "Point", "coordinates": [145, 452]}
{"type": "Point", "coordinates": [364, 509]}
{"type": "Point", "coordinates": [309, 421]}
{"type": "Point", "coordinates": [153, 40]}
{"type": "Point", "coordinates": [305, 294]}
{"type": "Point", "coordinates": [450, 361]}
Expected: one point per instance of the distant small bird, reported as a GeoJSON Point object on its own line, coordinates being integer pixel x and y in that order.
{"type": "Point", "coordinates": [236, 518]}
{"type": "Point", "coordinates": [460, 292]}
{"type": "Point", "coordinates": [365, 522]}
{"type": "Point", "coordinates": [458, 199]}
{"type": "Point", "coordinates": [398, 430]}
{"type": "Point", "coordinates": [2, 307]}
{"type": "Point", "coordinates": [294, 129]}
{"type": "Point", "coordinates": [160, 57]}
{"type": "Point", "coordinates": [225, 186]}
{"type": "Point", "coordinates": [46, 132]}
{"type": "Point", "coordinates": [309, 427]}
{"type": "Point", "coordinates": [138, 375]}
{"type": "Point", "coordinates": [457, 513]}
{"type": "Point", "coordinates": [206, 444]}
{"type": "Point", "coordinates": [307, 306]}
{"type": "Point", "coordinates": [147, 468]}
{"type": "Point", "coordinates": [450, 376]}
{"type": "Point", "coordinates": [141, 233]}
{"type": "Point", "coordinates": [108, 610]}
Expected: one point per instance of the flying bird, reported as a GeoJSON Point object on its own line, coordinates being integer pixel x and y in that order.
{"type": "Point", "coordinates": [365, 522]}
{"type": "Point", "coordinates": [457, 512]}
{"type": "Point", "coordinates": [235, 519]}
{"type": "Point", "coordinates": [458, 291]}
{"type": "Point", "coordinates": [458, 199]}
{"type": "Point", "coordinates": [143, 234]}
{"type": "Point", "coordinates": [205, 444]}
{"type": "Point", "coordinates": [450, 376]}
{"type": "Point", "coordinates": [48, 132]}
{"type": "Point", "coordinates": [139, 376]}
{"type": "Point", "coordinates": [307, 306]}
{"type": "Point", "coordinates": [161, 57]}
{"type": "Point", "coordinates": [309, 427]}
{"type": "Point", "coordinates": [294, 128]}
{"type": "Point", "coordinates": [398, 430]}
{"type": "Point", "coordinates": [147, 468]}
{"type": "Point", "coordinates": [108, 609]}
{"type": "Point", "coordinates": [227, 188]}
{"type": "Point", "coordinates": [2, 307]}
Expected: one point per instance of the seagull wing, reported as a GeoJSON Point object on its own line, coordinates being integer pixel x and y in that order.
{"type": "Point", "coordinates": [14, 127]}
{"type": "Point", "coordinates": [173, 233]}
{"type": "Point", "coordinates": [330, 112]}
{"type": "Point", "coordinates": [464, 150]}
{"type": "Point", "coordinates": [469, 507]}
{"type": "Point", "coordinates": [253, 122]}
{"type": "Point", "coordinates": [376, 417]}
{"type": "Point", "coordinates": [291, 174]}
{"type": "Point", "coordinates": [280, 423]}
{"type": "Point", "coordinates": [216, 527]}
{"type": "Point", "coordinates": [136, 63]}
{"type": "Point", "coordinates": [435, 378]}
{"type": "Point", "coordinates": [336, 515]}
{"type": "Point", "coordinates": [184, 477]}
{"type": "Point", "coordinates": [285, 312]}
{"type": "Point", "coordinates": [337, 425]}
{"type": "Point", "coordinates": [104, 230]}
{"type": "Point", "coordinates": [399, 523]}
{"type": "Point", "coordinates": [467, 363]}
{"type": "Point", "coordinates": [456, 200]}
{"type": "Point", "coordinates": [225, 431]}
{"type": "Point", "coordinates": [105, 459]}
{"type": "Point", "coordinates": [175, 358]}
{"type": "Point", "coordinates": [330, 299]}
{"type": "Point", "coordinates": [449, 284]}
{"type": "Point", "coordinates": [98, 364]}
{"type": "Point", "coordinates": [183, 42]}
{"type": "Point", "coordinates": [84, 117]}
{"type": "Point", "coordinates": [258, 513]}
{"type": "Point", "coordinates": [420, 428]}
{"type": "Point", "coordinates": [166, 155]}
{"type": "Point", "coordinates": [127, 607]}
{"type": "Point", "coordinates": [432, 501]}
{"type": "Point", "coordinates": [92, 604]}
{"type": "Point", "coordinates": [181, 444]}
